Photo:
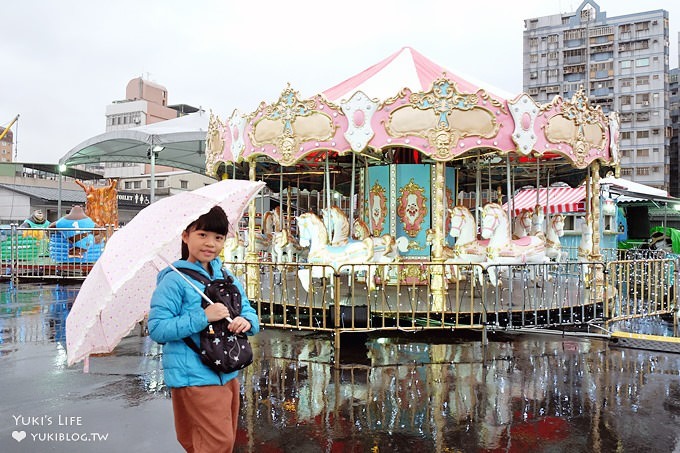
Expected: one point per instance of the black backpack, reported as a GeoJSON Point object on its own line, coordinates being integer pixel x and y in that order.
{"type": "Point", "coordinates": [220, 349]}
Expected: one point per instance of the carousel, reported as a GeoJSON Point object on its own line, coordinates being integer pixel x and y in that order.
{"type": "Point", "coordinates": [432, 166]}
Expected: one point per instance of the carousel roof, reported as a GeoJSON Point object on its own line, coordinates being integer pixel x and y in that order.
{"type": "Point", "coordinates": [408, 101]}
{"type": "Point", "coordinates": [405, 68]}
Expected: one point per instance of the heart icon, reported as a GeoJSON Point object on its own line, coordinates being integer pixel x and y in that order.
{"type": "Point", "coordinates": [19, 435]}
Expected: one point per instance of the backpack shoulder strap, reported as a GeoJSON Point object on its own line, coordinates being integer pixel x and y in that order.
{"type": "Point", "coordinates": [200, 278]}
{"type": "Point", "coordinates": [195, 275]}
{"type": "Point", "coordinates": [226, 276]}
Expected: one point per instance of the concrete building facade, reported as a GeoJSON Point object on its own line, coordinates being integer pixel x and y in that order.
{"type": "Point", "coordinates": [623, 65]}
{"type": "Point", "coordinates": [6, 146]}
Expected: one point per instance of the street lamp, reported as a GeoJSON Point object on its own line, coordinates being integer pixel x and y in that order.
{"type": "Point", "coordinates": [152, 174]}
{"type": "Point", "coordinates": [62, 169]}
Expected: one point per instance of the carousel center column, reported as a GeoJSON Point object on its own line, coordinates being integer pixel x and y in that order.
{"type": "Point", "coordinates": [437, 280]}
{"type": "Point", "coordinates": [252, 266]}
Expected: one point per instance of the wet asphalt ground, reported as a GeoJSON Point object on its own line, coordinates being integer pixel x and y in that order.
{"type": "Point", "coordinates": [409, 392]}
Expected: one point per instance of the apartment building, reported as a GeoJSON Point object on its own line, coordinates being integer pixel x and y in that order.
{"type": "Point", "coordinates": [6, 145]}
{"type": "Point", "coordinates": [623, 65]}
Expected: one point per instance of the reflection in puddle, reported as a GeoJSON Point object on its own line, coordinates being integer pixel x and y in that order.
{"type": "Point", "coordinates": [407, 393]}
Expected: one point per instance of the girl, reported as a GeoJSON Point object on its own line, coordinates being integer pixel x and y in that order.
{"type": "Point", "coordinates": [205, 404]}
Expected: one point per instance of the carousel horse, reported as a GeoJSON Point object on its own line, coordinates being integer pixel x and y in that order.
{"type": "Point", "coordinates": [285, 247]}
{"type": "Point", "coordinates": [234, 249]}
{"type": "Point", "coordinates": [386, 249]}
{"type": "Point", "coordinates": [553, 246]}
{"type": "Point", "coordinates": [522, 225]}
{"type": "Point", "coordinates": [235, 254]}
{"type": "Point", "coordinates": [537, 222]}
{"type": "Point", "coordinates": [313, 233]}
{"type": "Point", "coordinates": [467, 249]}
{"type": "Point", "coordinates": [585, 248]}
{"type": "Point", "coordinates": [263, 240]}
{"type": "Point", "coordinates": [337, 225]}
{"type": "Point", "coordinates": [502, 249]}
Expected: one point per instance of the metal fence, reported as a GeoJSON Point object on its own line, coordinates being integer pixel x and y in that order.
{"type": "Point", "coordinates": [405, 295]}
{"type": "Point", "coordinates": [50, 254]}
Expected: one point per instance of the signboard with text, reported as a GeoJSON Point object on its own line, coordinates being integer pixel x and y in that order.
{"type": "Point", "coordinates": [132, 199]}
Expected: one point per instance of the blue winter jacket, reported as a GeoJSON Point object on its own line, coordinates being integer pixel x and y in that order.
{"type": "Point", "coordinates": [176, 313]}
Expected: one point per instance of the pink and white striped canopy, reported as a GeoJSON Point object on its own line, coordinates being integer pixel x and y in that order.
{"type": "Point", "coordinates": [553, 200]}
{"type": "Point", "coordinates": [405, 68]}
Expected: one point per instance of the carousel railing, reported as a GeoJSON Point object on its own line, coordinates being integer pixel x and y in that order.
{"type": "Point", "coordinates": [643, 286]}
{"type": "Point", "coordinates": [485, 297]}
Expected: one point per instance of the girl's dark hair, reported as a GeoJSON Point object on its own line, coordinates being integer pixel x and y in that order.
{"type": "Point", "coordinates": [214, 221]}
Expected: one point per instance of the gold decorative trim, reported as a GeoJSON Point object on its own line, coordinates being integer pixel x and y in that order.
{"type": "Point", "coordinates": [214, 145]}
{"type": "Point", "coordinates": [579, 125]}
{"type": "Point", "coordinates": [443, 116]}
{"type": "Point", "coordinates": [290, 122]}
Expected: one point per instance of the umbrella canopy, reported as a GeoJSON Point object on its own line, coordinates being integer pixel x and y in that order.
{"type": "Point", "coordinates": [182, 139]}
{"type": "Point", "coordinates": [115, 295]}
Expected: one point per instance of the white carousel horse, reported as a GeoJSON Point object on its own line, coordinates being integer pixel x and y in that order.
{"type": "Point", "coordinates": [313, 234]}
{"type": "Point", "coordinates": [553, 246]}
{"type": "Point", "coordinates": [263, 240]}
{"type": "Point", "coordinates": [386, 249]}
{"type": "Point", "coordinates": [337, 225]}
{"type": "Point", "coordinates": [537, 222]}
{"type": "Point", "coordinates": [285, 247]}
{"type": "Point", "coordinates": [585, 248]}
{"type": "Point", "coordinates": [502, 249]}
{"type": "Point", "coordinates": [234, 254]}
{"type": "Point", "coordinates": [234, 249]}
{"type": "Point", "coordinates": [467, 249]}
{"type": "Point", "coordinates": [522, 225]}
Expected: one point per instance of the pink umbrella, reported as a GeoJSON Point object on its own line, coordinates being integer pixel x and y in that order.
{"type": "Point", "coordinates": [116, 293]}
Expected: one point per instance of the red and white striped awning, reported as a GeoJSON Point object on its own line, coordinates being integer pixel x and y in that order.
{"type": "Point", "coordinates": [557, 199]}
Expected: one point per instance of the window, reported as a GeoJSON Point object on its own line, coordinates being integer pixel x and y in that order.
{"type": "Point", "coordinates": [625, 135]}
{"type": "Point", "coordinates": [642, 134]}
{"type": "Point", "coordinates": [625, 153]}
{"type": "Point", "coordinates": [553, 55]}
{"type": "Point", "coordinates": [642, 171]}
{"type": "Point", "coordinates": [553, 38]}
{"type": "Point", "coordinates": [626, 100]}
{"type": "Point", "coordinates": [626, 172]}
{"type": "Point", "coordinates": [533, 42]}
{"type": "Point", "coordinates": [641, 62]}
{"type": "Point", "coordinates": [137, 184]}
{"type": "Point", "coordinates": [533, 58]}
{"type": "Point", "coordinates": [626, 64]}
{"type": "Point", "coordinates": [160, 183]}
{"type": "Point", "coordinates": [642, 80]}
{"type": "Point", "coordinates": [128, 185]}
{"type": "Point", "coordinates": [533, 75]}
{"type": "Point", "coordinates": [626, 82]}
{"type": "Point", "coordinates": [183, 184]}
{"type": "Point", "coordinates": [643, 152]}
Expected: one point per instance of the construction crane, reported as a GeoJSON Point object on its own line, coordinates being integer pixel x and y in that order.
{"type": "Point", "coordinates": [2, 135]}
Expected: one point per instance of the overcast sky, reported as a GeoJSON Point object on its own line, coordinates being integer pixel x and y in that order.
{"type": "Point", "coordinates": [65, 61]}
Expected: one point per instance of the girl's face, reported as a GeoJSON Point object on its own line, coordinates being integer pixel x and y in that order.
{"type": "Point", "coordinates": [203, 246]}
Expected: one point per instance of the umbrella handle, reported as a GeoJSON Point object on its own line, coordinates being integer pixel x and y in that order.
{"type": "Point", "coordinates": [186, 279]}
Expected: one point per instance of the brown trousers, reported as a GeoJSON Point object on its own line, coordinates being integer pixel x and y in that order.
{"type": "Point", "coordinates": [206, 417]}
